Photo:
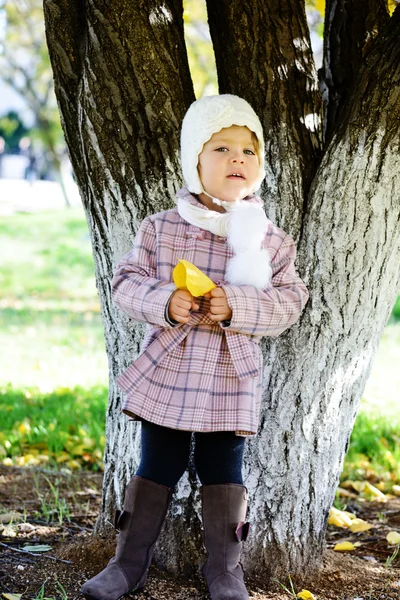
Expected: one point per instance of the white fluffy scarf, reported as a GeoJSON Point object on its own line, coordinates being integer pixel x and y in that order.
{"type": "Point", "coordinates": [245, 225]}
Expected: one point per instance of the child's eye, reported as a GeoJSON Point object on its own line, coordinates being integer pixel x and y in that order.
{"type": "Point", "coordinates": [247, 151]}
{"type": "Point", "coordinates": [222, 149]}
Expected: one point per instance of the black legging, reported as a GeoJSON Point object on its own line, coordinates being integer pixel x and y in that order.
{"type": "Point", "coordinates": [218, 456]}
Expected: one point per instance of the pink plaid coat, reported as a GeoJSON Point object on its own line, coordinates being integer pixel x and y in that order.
{"type": "Point", "coordinates": [201, 376]}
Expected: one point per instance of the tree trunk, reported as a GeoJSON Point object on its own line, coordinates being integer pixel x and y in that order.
{"type": "Point", "coordinates": [349, 31]}
{"type": "Point", "coordinates": [315, 374]}
{"type": "Point", "coordinates": [263, 53]}
{"type": "Point", "coordinates": [123, 85]}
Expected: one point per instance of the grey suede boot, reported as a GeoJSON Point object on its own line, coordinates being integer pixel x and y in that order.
{"type": "Point", "coordinates": [139, 524]}
{"type": "Point", "coordinates": [224, 516]}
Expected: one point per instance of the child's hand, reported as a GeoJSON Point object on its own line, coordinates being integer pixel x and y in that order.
{"type": "Point", "coordinates": [219, 307]}
{"type": "Point", "coordinates": [180, 305]}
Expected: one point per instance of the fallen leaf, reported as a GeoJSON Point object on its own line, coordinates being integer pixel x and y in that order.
{"type": "Point", "coordinates": [344, 547]}
{"type": "Point", "coordinates": [37, 548]}
{"type": "Point", "coordinates": [351, 516]}
{"type": "Point", "coordinates": [364, 487]}
{"type": "Point", "coordinates": [11, 517]}
{"type": "Point", "coordinates": [338, 518]}
{"type": "Point", "coordinates": [396, 490]}
{"type": "Point", "coordinates": [373, 492]}
{"type": "Point", "coordinates": [63, 457]}
{"type": "Point", "coordinates": [359, 525]}
{"type": "Point", "coordinates": [393, 537]}
{"type": "Point", "coordinates": [12, 596]}
{"type": "Point", "coordinates": [9, 531]}
{"type": "Point", "coordinates": [305, 595]}
{"type": "Point", "coordinates": [26, 527]}
{"type": "Point", "coordinates": [356, 485]}
{"type": "Point", "coordinates": [345, 493]}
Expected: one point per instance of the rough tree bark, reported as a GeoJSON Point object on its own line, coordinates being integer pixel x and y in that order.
{"type": "Point", "coordinates": [123, 84]}
{"type": "Point", "coordinates": [349, 30]}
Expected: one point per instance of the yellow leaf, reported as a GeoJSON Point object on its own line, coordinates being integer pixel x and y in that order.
{"type": "Point", "coordinates": [345, 493]}
{"type": "Point", "coordinates": [382, 486]}
{"type": "Point", "coordinates": [344, 547]}
{"type": "Point", "coordinates": [24, 427]}
{"type": "Point", "coordinates": [12, 596]}
{"type": "Point", "coordinates": [188, 277]}
{"type": "Point", "coordinates": [7, 462]}
{"type": "Point", "coordinates": [77, 450]}
{"type": "Point", "coordinates": [358, 485]}
{"type": "Point", "coordinates": [373, 492]}
{"type": "Point", "coordinates": [338, 518]}
{"type": "Point", "coordinates": [392, 4]}
{"type": "Point", "coordinates": [393, 537]}
{"type": "Point", "coordinates": [74, 464]}
{"type": "Point", "coordinates": [63, 457]}
{"type": "Point", "coordinates": [305, 595]}
{"type": "Point", "coordinates": [396, 490]}
{"type": "Point", "coordinates": [351, 516]}
{"type": "Point", "coordinates": [27, 459]}
{"type": "Point", "coordinates": [359, 525]}
{"type": "Point", "coordinates": [43, 458]}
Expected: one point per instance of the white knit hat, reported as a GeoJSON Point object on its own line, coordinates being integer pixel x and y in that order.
{"type": "Point", "coordinates": [207, 116]}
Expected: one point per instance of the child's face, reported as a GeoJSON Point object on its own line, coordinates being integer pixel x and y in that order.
{"type": "Point", "coordinates": [231, 150]}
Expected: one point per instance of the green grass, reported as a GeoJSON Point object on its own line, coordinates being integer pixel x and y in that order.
{"type": "Point", "coordinates": [54, 372]}
{"type": "Point", "coordinates": [50, 318]}
{"type": "Point", "coordinates": [374, 452]}
{"type": "Point", "coordinates": [64, 427]}
{"type": "Point", "coordinates": [48, 256]}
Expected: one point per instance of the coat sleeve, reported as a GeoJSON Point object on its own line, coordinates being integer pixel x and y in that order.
{"type": "Point", "coordinates": [272, 310]}
{"type": "Point", "coordinates": [135, 287]}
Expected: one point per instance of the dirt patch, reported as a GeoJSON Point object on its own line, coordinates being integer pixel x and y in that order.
{"type": "Point", "coordinates": [76, 555]}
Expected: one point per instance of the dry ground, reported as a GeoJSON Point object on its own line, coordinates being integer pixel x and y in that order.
{"type": "Point", "coordinates": [76, 555]}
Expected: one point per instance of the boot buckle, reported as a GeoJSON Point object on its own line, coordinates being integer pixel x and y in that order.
{"type": "Point", "coordinates": [242, 531]}
{"type": "Point", "coordinates": [118, 519]}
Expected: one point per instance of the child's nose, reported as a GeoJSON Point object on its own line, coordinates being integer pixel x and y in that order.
{"type": "Point", "coordinates": [237, 157]}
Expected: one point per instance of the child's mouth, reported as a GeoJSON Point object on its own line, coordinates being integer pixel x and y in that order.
{"type": "Point", "coordinates": [235, 176]}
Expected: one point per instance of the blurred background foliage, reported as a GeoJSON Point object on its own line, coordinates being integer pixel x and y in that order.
{"type": "Point", "coordinates": [25, 68]}
{"type": "Point", "coordinates": [54, 370]}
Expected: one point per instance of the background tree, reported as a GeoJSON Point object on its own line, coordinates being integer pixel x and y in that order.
{"type": "Point", "coordinates": [25, 66]}
{"type": "Point", "coordinates": [123, 85]}
{"type": "Point", "coordinates": [12, 129]}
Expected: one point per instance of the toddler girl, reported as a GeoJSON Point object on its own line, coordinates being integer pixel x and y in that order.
{"type": "Point", "coordinates": [200, 369]}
